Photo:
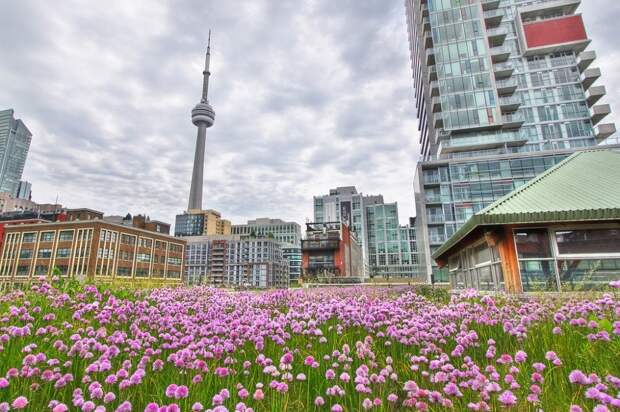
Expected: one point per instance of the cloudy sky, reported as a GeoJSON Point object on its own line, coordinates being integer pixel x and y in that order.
{"type": "Point", "coordinates": [308, 95]}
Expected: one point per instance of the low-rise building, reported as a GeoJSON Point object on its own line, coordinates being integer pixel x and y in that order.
{"type": "Point", "coordinates": [559, 232]}
{"type": "Point", "coordinates": [230, 261]}
{"type": "Point", "coordinates": [331, 252]}
{"type": "Point", "coordinates": [90, 250]}
{"type": "Point", "coordinates": [12, 204]}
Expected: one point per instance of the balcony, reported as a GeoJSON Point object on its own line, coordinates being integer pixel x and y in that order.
{"type": "Point", "coordinates": [558, 7]}
{"type": "Point", "coordinates": [497, 36]}
{"type": "Point", "coordinates": [503, 70]}
{"type": "Point", "coordinates": [585, 59]}
{"type": "Point", "coordinates": [431, 180]}
{"type": "Point", "coordinates": [512, 121]}
{"type": "Point", "coordinates": [493, 18]}
{"type": "Point", "coordinates": [481, 143]}
{"type": "Point", "coordinates": [599, 112]}
{"type": "Point", "coordinates": [499, 54]}
{"type": "Point", "coordinates": [430, 56]}
{"type": "Point", "coordinates": [595, 94]}
{"type": "Point", "coordinates": [509, 104]}
{"type": "Point", "coordinates": [589, 77]}
{"type": "Point", "coordinates": [320, 244]}
{"type": "Point", "coordinates": [438, 120]}
{"type": "Point", "coordinates": [428, 40]}
{"type": "Point", "coordinates": [434, 88]}
{"type": "Point", "coordinates": [437, 239]}
{"type": "Point", "coordinates": [433, 199]}
{"type": "Point", "coordinates": [432, 73]}
{"type": "Point", "coordinates": [426, 23]}
{"type": "Point", "coordinates": [435, 219]}
{"type": "Point", "coordinates": [603, 131]}
{"type": "Point", "coordinates": [506, 87]}
{"type": "Point", "coordinates": [424, 9]}
{"type": "Point", "coordinates": [436, 104]}
{"type": "Point", "coordinates": [490, 4]}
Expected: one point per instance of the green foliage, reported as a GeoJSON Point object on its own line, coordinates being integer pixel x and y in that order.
{"type": "Point", "coordinates": [433, 293]}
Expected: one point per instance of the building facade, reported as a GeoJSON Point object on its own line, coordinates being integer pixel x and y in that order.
{"type": "Point", "coordinates": [331, 252]}
{"type": "Point", "coordinates": [14, 145]}
{"type": "Point", "coordinates": [230, 261]}
{"type": "Point", "coordinates": [504, 91]}
{"type": "Point", "coordinates": [93, 251]}
{"type": "Point", "coordinates": [345, 204]}
{"type": "Point", "coordinates": [24, 190]}
{"type": "Point", "coordinates": [287, 233]}
{"type": "Point", "coordinates": [391, 248]}
{"type": "Point", "coordinates": [197, 222]}
{"type": "Point", "coordinates": [559, 232]}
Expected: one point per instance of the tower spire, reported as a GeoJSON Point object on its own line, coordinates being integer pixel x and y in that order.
{"type": "Point", "coordinates": [206, 73]}
{"type": "Point", "coordinates": [203, 117]}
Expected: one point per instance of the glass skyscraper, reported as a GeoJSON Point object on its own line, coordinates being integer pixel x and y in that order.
{"type": "Point", "coordinates": [391, 248]}
{"type": "Point", "coordinates": [14, 145]}
{"type": "Point", "coordinates": [504, 90]}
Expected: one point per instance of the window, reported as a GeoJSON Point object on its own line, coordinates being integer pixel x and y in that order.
{"type": "Point", "coordinates": [63, 252]}
{"type": "Point", "coordinates": [47, 236]}
{"type": "Point", "coordinates": [25, 254]}
{"type": "Point", "coordinates": [41, 270]}
{"type": "Point", "coordinates": [22, 270]}
{"type": "Point", "coordinates": [45, 253]}
{"type": "Point", "coordinates": [123, 271]}
{"type": "Point", "coordinates": [144, 257]}
{"type": "Point", "coordinates": [66, 235]}
{"type": "Point", "coordinates": [29, 237]}
{"type": "Point", "coordinates": [588, 241]}
{"type": "Point", "coordinates": [532, 244]}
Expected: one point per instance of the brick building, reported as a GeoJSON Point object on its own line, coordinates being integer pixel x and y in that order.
{"type": "Point", "coordinates": [91, 250]}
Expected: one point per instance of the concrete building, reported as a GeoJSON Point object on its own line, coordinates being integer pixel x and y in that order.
{"type": "Point", "coordinates": [558, 232]}
{"type": "Point", "coordinates": [345, 204]}
{"type": "Point", "coordinates": [390, 252]}
{"type": "Point", "coordinates": [230, 261]}
{"type": "Point", "coordinates": [83, 214]}
{"type": "Point", "coordinates": [14, 145]}
{"type": "Point", "coordinates": [91, 250]}
{"type": "Point", "coordinates": [201, 223]}
{"type": "Point", "coordinates": [287, 233]}
{"type": "Point", "coordinates": [504, 91]}
{"type": "Point", "coordinates": [331, 253]}
{"type": "Point", "coordinates": [12, 205]}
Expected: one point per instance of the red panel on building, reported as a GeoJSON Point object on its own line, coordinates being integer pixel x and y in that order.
{"type": "Point", "coordinates": [556, 31]}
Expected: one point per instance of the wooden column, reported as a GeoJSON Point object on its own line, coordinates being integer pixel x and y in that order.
{"type": "Point", "coordinates": [510, 263]}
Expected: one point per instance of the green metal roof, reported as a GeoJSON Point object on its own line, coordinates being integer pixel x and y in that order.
{"type": "Point", "coordinates": [583, 187]}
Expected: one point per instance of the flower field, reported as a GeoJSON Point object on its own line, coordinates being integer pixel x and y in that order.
{"type": "Point", "coordinates": [353, 349]}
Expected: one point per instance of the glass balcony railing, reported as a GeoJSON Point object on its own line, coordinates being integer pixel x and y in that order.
{"type": "Point", "coordinates": [435, 219]}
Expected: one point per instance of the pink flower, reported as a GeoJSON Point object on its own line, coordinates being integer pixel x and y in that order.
{"type": "Point", "coordinates": [197, 407]}
{"type": "Point", "coordinates": [507, 398]}
{"type": "Point", "coordinates": [4, 383]}
{"type": "Point", "coordinates": [520, 356]}
{"type": "Point", "coordinates": [319, 401]}
{"type": "Point", "coordinates": [243, 393]}
{"type": "Point", "coordinates": [575, 408]}
{"type": "Point", "coordinates": [109, 397]}
{"type": "Point", "coordinates": [151, 407]}
{"type": "Point", "coordinates": [170, 390]}
{"type": "Point", "coordinates": [367, 404]}
{"type": "Point", "coordinates": [392, 397]}
{"type": "Point", "coordinates": [258, 395]}
{"type": "Point", "coordinates": [61, 407]}
{"type": "Point", "coordinates": [20, 402]}
{"type": "Point", "coordinates": [578, 377]}
{"type": "Point", "coordinates": [330, 374]}
{"type": "Point", "coordinates": [337, 408]}
{"type": "Point", "coordinates": [181, 392]}
{"type": "Point", "coordinates": [308, 361]}
{"type": "Point", "coordinates": [615, 284]}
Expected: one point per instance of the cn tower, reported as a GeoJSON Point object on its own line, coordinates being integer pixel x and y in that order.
{"type": "Point", "coordinates": [203, 117]}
